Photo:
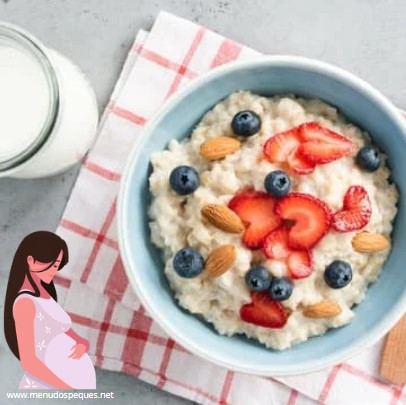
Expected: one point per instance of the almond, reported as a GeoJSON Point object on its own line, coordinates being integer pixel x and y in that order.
{"type": "Point", "coordinates": [219, 148]}
{"type": "Point", "coordinates": [220, 260]}
{"type": "Point", "coordinates": [223, 218]}
{"type": "Point", "coordinates": [368, 242]}
{"type": "Point", "coordinates": [323, 309]}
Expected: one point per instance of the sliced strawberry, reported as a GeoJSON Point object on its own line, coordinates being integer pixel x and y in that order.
{"type": "Point", "coordinates": [276, 244]}
{"type": "Point", "coordinates": [263, 311]}
{"type": "Point", "coordinates": [256, 209]}
{"type": "Point", "coordinates": [299, 163]}
{"type": "Point", "coordinates": [357, 197]}
{"type": "Point", "coordinates": [314, 132]}
{"type": "Point", "coordinates": [307, 145]}
{"type": "Point", "coordinates": [279, 147]}
{"type": "Point", "coordinates": [299, 264]}
{"type": "Point", "coordinates": [321, 153]}
{"type": "Point", "coordinates": [311, 216]}
{"type": "Point", "coordinates": [254, 235]}
{"type": "Point", "coordinates": [321, 145]}
{"type": "Point", "coordinates": [356, 211]}
{"type": "Point", "coordinates": [348, 221]}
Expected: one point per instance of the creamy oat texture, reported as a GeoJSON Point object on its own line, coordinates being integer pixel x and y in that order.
{"type": "Point", "coordinates": [176, 222]}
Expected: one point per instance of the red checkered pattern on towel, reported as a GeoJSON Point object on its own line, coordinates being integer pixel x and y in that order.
{"type": "Point", "coordinates": [94, 288]}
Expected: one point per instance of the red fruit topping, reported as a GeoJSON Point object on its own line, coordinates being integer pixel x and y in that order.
{"type": "Point", "coordinates": [305, 146]}
{"type": "Point", "coordinates": [263, 311]}
{"type": "Point", "coordinates": [299, 163]}
{"type": "Point", "coordinates": [356, 211]}
{"type": "Point", "coordinates": [279, 147]}
{"type": "Point", "coordinates": [320, 153]}
{"type": "Point", "coordinates": [321, 145]}
{"type": "Point", "coordinates": [276, 244]}
{"type": "Point", "coordinates": [276, 247]}
{"type": "Point", "coordinates": [256, 209]}
{"type": "Point", "coordinates": [299, 264]}
{"type": "Point", "coordinates": [314, 132]}
{"type": "Point", "coordinates": [311, 216]}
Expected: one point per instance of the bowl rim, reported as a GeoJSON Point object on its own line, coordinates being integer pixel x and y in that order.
{"type": "Point", "coordinates": [371, 336]}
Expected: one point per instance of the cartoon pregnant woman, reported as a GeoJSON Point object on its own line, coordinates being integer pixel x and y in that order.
{"type": "Point", "coordinates": [38, 331]}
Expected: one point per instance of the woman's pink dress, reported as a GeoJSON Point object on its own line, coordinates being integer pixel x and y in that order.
{"type": "Point", "coordinates": [53, 346]}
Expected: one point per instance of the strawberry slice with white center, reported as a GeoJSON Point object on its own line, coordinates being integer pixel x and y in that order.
{"type": "Point", "coordinates": [276, 246]}
{"type": "Point", "coordinates": [256, 209]}
{"type": "Point", "coordinates": [263, 311]}
{"type": "Point", "coordinates": [279, 147]}
{"type": "Point", "coordinates": [322, 153]}
{"type": "Point", "coordinates": [299, 264]}
{"type": "Point", "coordinates": [283, 147]}
{"type": "Point", "coordinates": [356, 211]}
{"type": "Point", "coordinates": [314, 132]}
{"type": "Point", "coordinates": [320, 145]}
{"type": "Point", "coordinates": [311, 219]}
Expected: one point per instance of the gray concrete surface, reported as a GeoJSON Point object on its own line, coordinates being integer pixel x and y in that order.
{"type": "Point", "coordinates": [367, 37]}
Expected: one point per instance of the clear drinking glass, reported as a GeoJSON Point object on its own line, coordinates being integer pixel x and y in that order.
{"type": "Point", "coordinates": [68, 127]}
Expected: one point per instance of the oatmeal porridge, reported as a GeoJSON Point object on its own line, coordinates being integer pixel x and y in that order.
{"type": "Point", "coordinates": [272, 217]}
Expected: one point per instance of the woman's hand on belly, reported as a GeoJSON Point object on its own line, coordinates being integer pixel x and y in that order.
{"type": "Point", "coordinates": [78, 339]}
{"type": "Point", "coordinates": [78, 350]}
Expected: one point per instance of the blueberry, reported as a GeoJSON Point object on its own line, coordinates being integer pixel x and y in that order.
{"type": "Point", "coordinates": [281, 288]}
{"type": "Point", "coordinates": [184, 180]}
{"type": "Point", "coordinates": [258, 278]}
{"type": "Point", "coordinates": [368, 158]}
{"type": "Point", "coordinates": [338, 274]}
{"type": "Point", "coordinates": [188, 263]}
{"type": "Point", "coordinates": [277, 183]}
{"type": "Point", "coordinates": [246, 123]}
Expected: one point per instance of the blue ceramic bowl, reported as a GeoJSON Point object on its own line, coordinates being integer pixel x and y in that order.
{"type": "Point", "coordinates": [385, 301]}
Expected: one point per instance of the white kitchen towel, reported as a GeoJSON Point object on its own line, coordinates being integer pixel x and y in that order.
{"type": "Point", "coordinates": [94, 289]}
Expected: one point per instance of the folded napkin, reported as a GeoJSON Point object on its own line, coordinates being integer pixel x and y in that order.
{"type": "Point", "coordinates": [94, 288]}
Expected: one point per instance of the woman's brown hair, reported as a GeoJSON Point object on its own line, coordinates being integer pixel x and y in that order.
{"type": "Point", "coordinates": [45, 247]}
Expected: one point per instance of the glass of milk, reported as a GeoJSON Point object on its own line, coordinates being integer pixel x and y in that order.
{"type": "Point", "coordinates": [48, 111]}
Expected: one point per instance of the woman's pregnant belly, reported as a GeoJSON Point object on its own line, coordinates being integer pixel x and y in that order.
{"type": "Point", "coordinates": [78, 373]}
